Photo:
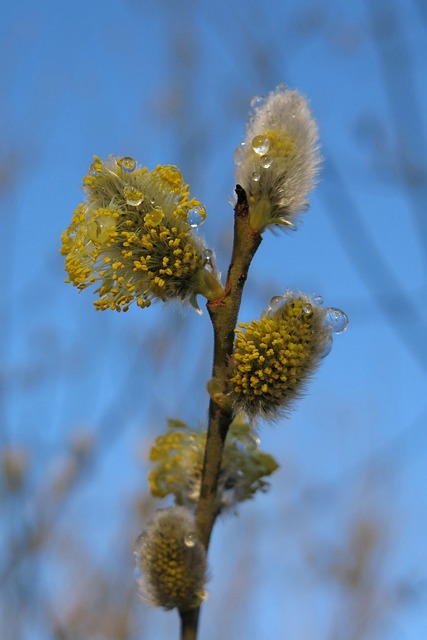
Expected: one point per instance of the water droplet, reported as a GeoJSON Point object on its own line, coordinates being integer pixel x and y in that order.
{"type": "Point", "coordinates": [318, 300]}
{"type": "Point", "coordinates": [307, 309]}
{"type": "Point", "coordinates": [260, 144]}
{"type": "Point", "coordinates": [256, 176]}
{"type": "Point", "coordinates": [154, 217]}
{"type": "Point", "coordinates": [239, 153]}
{"type": "Point", "coordinates": [190, 540]}
{"type": "Point", "coordinates": [275, 303]}
{"type": "Point", "coordinates": [127, 164]}
{"type": "Point", "coordinates": [95, 168]}
{"type": "Point", "coordinates": [132, 196]}
{"type": "Point", "coordinates": [336, 320]}
{"type": "Point", "coordinates": [266, 161]}
{"type": "Point", "coordinates": [327, 348]}
{"type": "Point", "coordinates": [100, 229]}
{"type": "Point", "coordinates": [137, 573]}
{"type": "Point", "coordinates": [207, 255]}
{"type": "Point", "coordinates": [257, 101]}
{"type": "Point", "coordinates": [228, 492]}
{"type": "Point", "coordinates": [139, 545]}
{"type": "Point", "coordinates": [281, 88]}
{"type": "Point", "coordinates": [196, 216]}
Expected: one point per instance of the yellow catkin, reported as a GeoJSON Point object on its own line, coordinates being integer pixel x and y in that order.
{"type": "Point", "coordinates": [130, 250]}
{"type": "Point", "coordinates": [172, 561]}
{"type": "Point", "coordinates": [274, 356]}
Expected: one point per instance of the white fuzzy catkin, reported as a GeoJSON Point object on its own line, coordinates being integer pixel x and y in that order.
{"type": "Point", "coordinates": [278, 162]}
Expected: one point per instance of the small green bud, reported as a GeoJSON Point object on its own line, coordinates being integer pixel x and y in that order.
{"type": "Point", "coordinates": [172, 561]}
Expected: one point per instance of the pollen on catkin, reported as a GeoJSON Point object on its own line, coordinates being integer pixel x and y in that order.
{"type": "Point", "coordinates": [133, 237]}
{"type": "Point", "coordinates": [278, 161]}
{"type": "Point", "coordinates": [172, 561]}
{"type": "Point", "coordinates": [178, 456]}
{"type": "Point", "coordinates": [273, 357]}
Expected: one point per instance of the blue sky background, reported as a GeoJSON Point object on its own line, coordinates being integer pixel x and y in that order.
{"type": "Point", "coordinates": [171, 83]}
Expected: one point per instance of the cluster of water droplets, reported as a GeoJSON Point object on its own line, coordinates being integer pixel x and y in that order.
{"type": "Point", "coordinates": [260, 143]}
{"type": "Point", "coordinates": [335, 319]}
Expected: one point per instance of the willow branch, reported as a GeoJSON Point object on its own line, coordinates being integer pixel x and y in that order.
{"type": "Point", "coordinates": [189, 620]}
{"type": "Point", "coordinates": [223, 314]}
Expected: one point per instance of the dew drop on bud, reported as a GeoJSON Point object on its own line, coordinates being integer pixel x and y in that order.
{"type": "Point", "coordinates": [336, 320]}
{"type": "Point", "coordinates": [127, 164]}
{"type": "Point", "coordinates": [307, 309]}
{"type": "Point", "coordinates": [207, 255]}
{"type": "Point", "coordinates": [256, 176]}
{"type": "Point", "coordinates": [260, 144]}
{"type": "Point", "coordinates": [257, 101]}
{"type": "Point", "coordinates": [95, 168]}
{"type": "Point", "coordinates": [318, 301]}
{"type": "Point", "coordinates": [190, 540]}
{"type": "Point", "coordinates": [327, 348]}
{"type": "Point", "coordinates": [132, 196]}
{"type": "Point", "coordinates": [275, 303]}
{"type": "Point", "coordinates": [239, 153]}
{"type": "Point", "coordinates": [154, 217]}
{"type": "Point", "coordinates": [196, 216]}
{"type": "Point", "coordinates": [281, 88]}
{"type": "Point", "coordinates": [266, 161]}
{"type": "Point", "coordinates": [99, 229]}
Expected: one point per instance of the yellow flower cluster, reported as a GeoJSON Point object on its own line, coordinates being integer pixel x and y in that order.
{"type": "Point", "coordinates": [179, 460]}
{"type": "Point", "coordinates": [179, 455]}
{"type": "Point", "coordinates": [172, 561]}
{"type": "Point", "coordinates": [273, 357]}
{"type": "Point", "coordinates": [133, 237]}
